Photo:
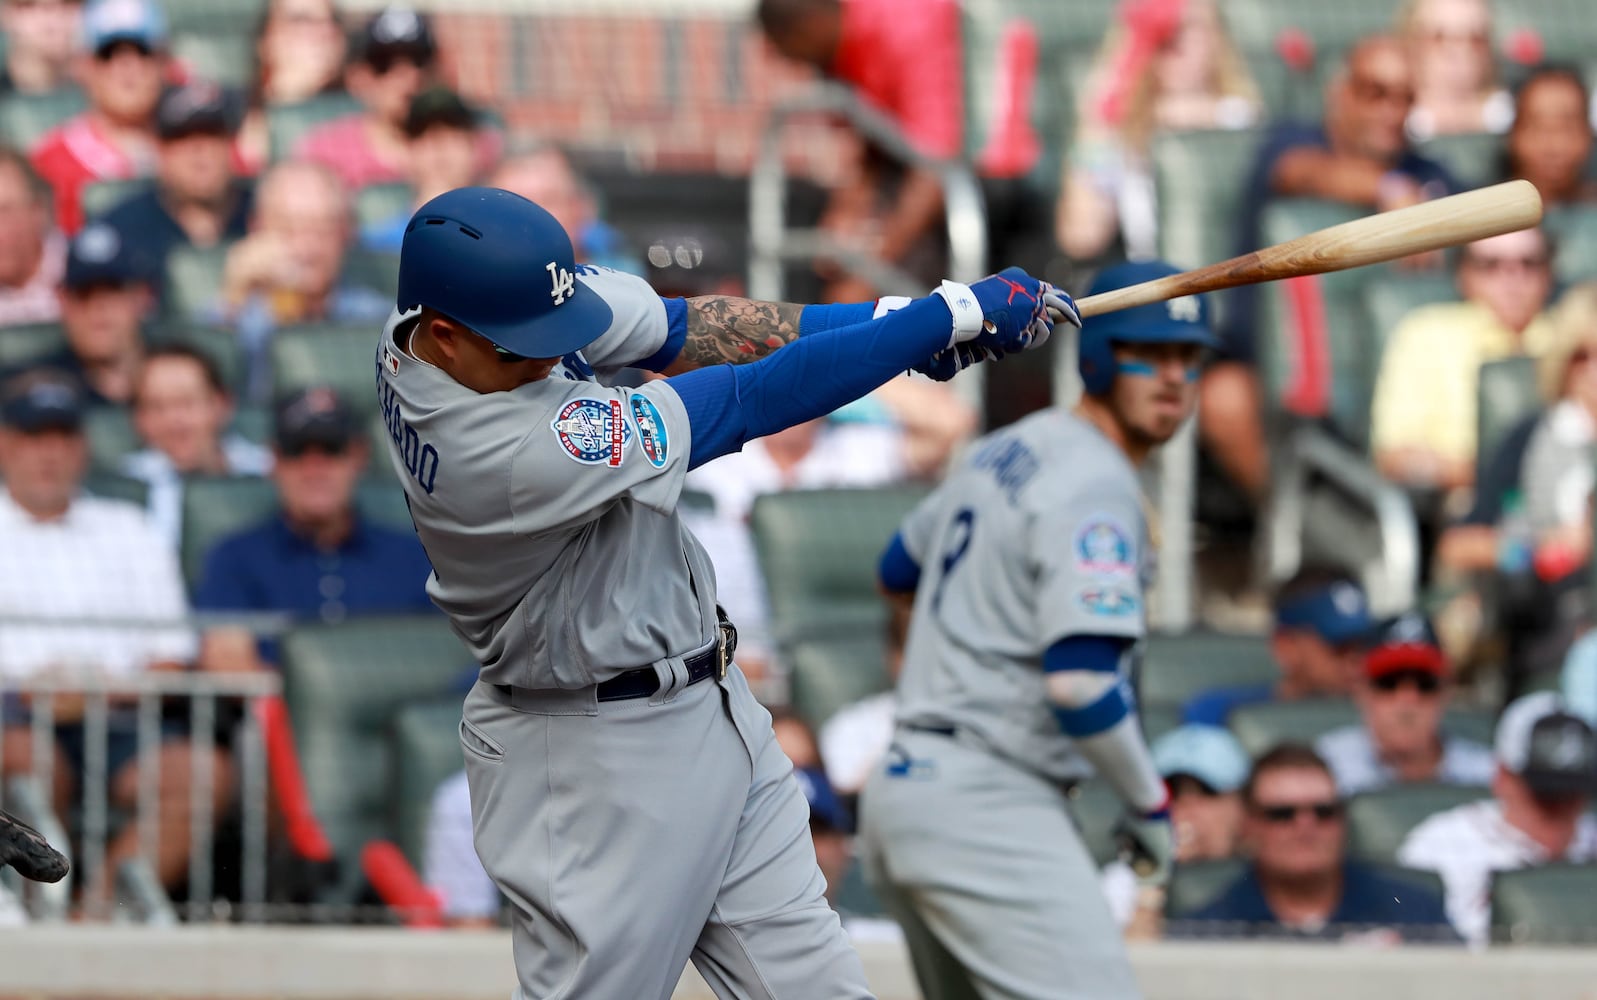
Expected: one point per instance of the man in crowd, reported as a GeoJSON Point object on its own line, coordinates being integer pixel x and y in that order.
{"type": "Point", "coordinates": [123, 63]}
{"type": "Point", "coordinates": [1322, 619]}
{"type": "Point", "coordinates": [317, 557]}
{"type": "Point", "coordinates": [41, 38]}
{"type": "Point", "coordinates": [1402, 693]}
{"type": "Point", "coordinates": [444, 152]}
{"type": "Point", "coordinates": [105, 298]}
{"type": "Point", "coordinates": [1300, 882]}
{"type": "Point", "coordinates": [547, 176]}
{"type": "Point", "coordinates": [1546, 768]}
{"type": "Point", "coordinates": [66, 556]}
{"type": "Point", "coordinates": [32, 255]}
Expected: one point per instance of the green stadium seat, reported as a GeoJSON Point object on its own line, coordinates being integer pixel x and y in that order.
{"type": "Point", "coordinates": [377, 271]}
{"type": "Point", "coordinates": [1566, 27]}
{"type": "Point", "coordinates": [110, 486]}
{"type": "Point", "coordinates": [253, 423]}
{"type": "Point", "coordinates": [1256, 25]}
{"type": "Point", "coordinates": [1476, 724]}
{"type": "Point", "coordinates": [1196, 884]}
{"type": "Point", "coordinates": [1575, 232]}
{"type": "Point", "coordinates": [344, 686]}
{"type": "Point", "coordinates": [1177, 666]}
{"type": "Point", "coordinates": [25, 118]}
{"type": "Point", "coordinates": [100, 197]}
{"type": "Point", "coordinates": [1096, 808]}
{"type": "Point", "coordinates": [817, 552]}
{"type": "Point", "coordinates": [25, 343]}
{"type": "Point", "coordinates": [286, 124]}
{"type": "Point", "coordinates": [1390, 297]}
{"type": "Point", "coordinates": [215, 16]}
{"type": "Point", "coordinates": [379, 203]}
{"type": "Point", "coordinates": [1262, 726]}
{"type": "Point", "coordinates": [1549, 904]}
{"type": "Point", "coordinates": [855, 897]}
{"type": "Point", "coordinates": [227, 58]}
{"type": "Point", "coordinates": [825, 674]}
{"type": "Point", "coordinates": [110, 434]}
{"type": "Point", "coordinates": [1158, 720]}
{"type": "Point", "coordinates": [426, 747]}
{"type": "Point", "coordinates": [1507, 393]}
{"type": "Point", "coordinates": [194, 282]}
{"type": "Point", "coordinates": [339, 356]}
{"type": "Point", "coordinates": [1200, 177]}
{"type": "Point", "coordinates": [1474, 159]}
{"type": "Point", "coordinates": [1379, 820]}
{"type": "Point", "coordinates": [218, 344]}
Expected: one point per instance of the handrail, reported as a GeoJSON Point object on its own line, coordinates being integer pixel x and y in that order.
{"type": "Point", "coordinates": [1392, 582]}
{"type": "Point", "coordinates": [772, 243]}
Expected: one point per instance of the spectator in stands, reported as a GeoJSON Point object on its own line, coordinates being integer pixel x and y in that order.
{"type": "Point", "coordinates": [1301, 882]}
{"type": "Point", "coordinates": [300, 50]}
{"type": "Point", "coordinates": [444, 134]}
{"type": "Point", "coordinates": [450, 866]}
{"type": "Point", "coordinates": [41, 37]}
{"type": "Point", "coordinates": [825, 453]}
{"type": "Point", "coordinates": [855, 739]}
{"type": "Point", "coordinates": [1423, 415]}
{"type": "Point", "coordinates": [317, 558]}
{"type": "Point", "coordinates": [795, 737]}
{"type": "Point", "coordinates": [32, 254]}
{"type": "Point", "coordinates": [1402, 695]}
{"type": "Point", "coordinates": [1546, 769]}
{"type": "Point", "coordinates": [195, 201]}
{"type": "Point", "coordinates": [547, 176]}
{"type": "Point", "coordinates": [64, 555]}
{"type": "Point", "coordinates": [1204, 767]}
{"type": "Point", "coordinates": [1455, 80]}
{"type": "Point", "coordinates": [1578, 680]}
{"type": "Point", "coordinates": [1322, 620]}
{"type": "Point", "coordinates": [831, 828]}
{"type": "Point", "coordinates": [1359, 156]}
{"type": "Point", "coordinates": [1551, 141]}
{"type": "Point", "coordinates": [121, 68]}
{"type": "Point", "coordinates": [181, 409]}
{"type": "Point", "coordinates": [1164, 67]}
{"type": "Point", "coordinates": [105, 298]}
{"type": "Point", "coordinates": [289, 269]}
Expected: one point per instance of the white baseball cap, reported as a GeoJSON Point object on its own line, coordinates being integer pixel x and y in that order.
{"type": "Point", "coordinates": [1209, 753]}
{"type": "Point", "coordinates": [1550, 748]}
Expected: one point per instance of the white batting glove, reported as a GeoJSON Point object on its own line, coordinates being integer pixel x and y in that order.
{"type": "Point", "coordinates": [1147, 845]}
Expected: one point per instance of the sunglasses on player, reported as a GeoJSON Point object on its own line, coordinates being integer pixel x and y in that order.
{"type": "Point", "coordinates": [1423, 682]}
{"type": "Point", "coordinates": [1323, 812]}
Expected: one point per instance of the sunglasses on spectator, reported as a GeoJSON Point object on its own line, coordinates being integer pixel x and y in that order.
{"type": "Point", "coordinates": [297, 449]}
{"type": "Point", "coordinates": [1323, 812]}
{"type": "Point", "coordinates": [382, 62]}
{"type": "Point", "coordinates": [106, 53]}
{"type": "Point", "coordinates": [1372, 91]}
{"type": "Point", "coordinates": [1442, 35]}
{"type": "Point", "coordinates": [1501, 265]}
{"type": "Point", "coordinates": [1421, 681]}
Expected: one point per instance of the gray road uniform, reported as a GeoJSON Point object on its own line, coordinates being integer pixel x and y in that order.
{"type": "Point", "coordinates": [629, 834]}
{"type": "Point", "coordinates": [1036, 536]}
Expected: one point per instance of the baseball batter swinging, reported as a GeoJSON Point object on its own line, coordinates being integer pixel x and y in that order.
{"type": "Point", "coordinates": [627, 794]}
{"type": "Point", "coordinates": [1027, 569]}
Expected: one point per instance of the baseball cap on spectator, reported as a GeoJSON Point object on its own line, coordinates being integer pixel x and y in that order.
{"type": "Point", "coordinates": [98, 255]}
{"type": "Point", "coordinates": [316, 417]}
{"type": "Point", "coordinates": [1551, 749]}
{"type": "Point", "coordinates": [1208, 754]}
{"type": "Point", "coordinates": [107, 22]}
{"type": "Point", "coordinates": [397, 32]}
{"type": "Point", "coordinates": [1407, 642]}
{"type": "Point", "coordinates": [39, 401]}
{"type": "Point", "coordinates": [196, 107]}
{"type": "Point", "coordinates": [825, 807]}
{"type": "Point", "coordinates": [439, 106]}
{"type": "Point", "coordinates": [1337, 612]}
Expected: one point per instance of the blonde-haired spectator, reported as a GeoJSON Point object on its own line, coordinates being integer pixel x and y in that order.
{"type": "Point", "coordinates": [1556, 478]}
{"type": "Point", "coordinates": [1455, 80]}
{"type": "Point", "coordinates": [1165, 66]}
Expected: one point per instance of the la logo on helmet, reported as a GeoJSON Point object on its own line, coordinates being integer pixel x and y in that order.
{"type": "Point", "coordinates": [564, 282]}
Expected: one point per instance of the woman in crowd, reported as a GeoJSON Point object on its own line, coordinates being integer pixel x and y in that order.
{"type": "Point", "coordinates": [300, 51]}
{"type": "Point", "coordinates": [1455, 79]}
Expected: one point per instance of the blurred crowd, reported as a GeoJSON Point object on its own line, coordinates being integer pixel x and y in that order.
{"type": "Point", "coordinates": [173, 250]}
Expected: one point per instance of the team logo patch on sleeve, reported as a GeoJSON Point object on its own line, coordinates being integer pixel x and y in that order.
{"type": "Point", "coordinates": [1103, 548]}
{"type": "Point", "coordinates": [652, 437]}
{"type": "Point", "coordinates": [1109, 602]}
{"type": "Point", "coordinates": [593, 431]}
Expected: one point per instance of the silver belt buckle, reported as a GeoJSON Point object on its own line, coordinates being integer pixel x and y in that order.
{"type": "Point", "coordinates": [723, 655]}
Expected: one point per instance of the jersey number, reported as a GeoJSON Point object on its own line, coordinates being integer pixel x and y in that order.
{"type": "Point", "coordinates": [959, 532]}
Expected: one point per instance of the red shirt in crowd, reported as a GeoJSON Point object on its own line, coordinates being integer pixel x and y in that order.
{"type": "Point", "coordinates": [75, 154]}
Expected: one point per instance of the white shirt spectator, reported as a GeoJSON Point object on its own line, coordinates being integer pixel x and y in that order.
{"type": "Point", "coordinates": [165, 502]}
{"type": "Point", "coordinates": [451, 866]}
{"type": "Point", "coordinates": [1466, 844]}
{"type": "Point", "coordinates": [854, 740]}
{"type": "Point", "coordinates": [102, 559]}
{"type": "Point", "coordinates": [1351, 755]}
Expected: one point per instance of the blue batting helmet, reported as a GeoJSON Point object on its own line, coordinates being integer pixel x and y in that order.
{"type": "Point", "coordinates": [499, 264]}
{"type": "Point", "coordinates": [1184, 320]}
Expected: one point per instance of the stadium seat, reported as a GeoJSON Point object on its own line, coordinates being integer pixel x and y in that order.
{"type": "Point", "coordinates": [1200, 177]}
{"type": "Point", "coordinates": [1257, 25]}
{"type": "Point", "coordinates": [25, 118]}
{"type": "Point", "coordinates": [334, 355]}
{"type": "Point", "coordinates": [1575, 232]}
{"type": "Point", "coordinates": [1196, 884]}
{"type": "Point", "coordinates": [285, 124]}
{"type": "Point", "coordinates": [1566, 28]}
{"type": "Point", "coordinates": [1262, 726]}
{"type": "Point", "coordinates": [344, 686]}
{"type": "Point", "coordinates": [1379, 820]}
{"type": "Point", "coordinates": [379, 203]}
{"type": "Point", "coordinates": [99, 197]}
{"type": "Point", "coordinates": [826, 674]}
{"type": "Point", "coordinates": [377, 271]}
{"type": "Point", "coordinates": [426, 748]}
{"type": "Point", "coordinates": [855, 897]}
{"type": "Point", "coordinates": [218, 344]}
{"type": "Point", "coordinates": [1474, 159]}
{"type": "Point", "coordinates": [215, 16]}
{"type": "Point", "coordinates": [110, 486]}
{"type": "Point", "coordinates": [228, 57]}
{"type": "Point", "coordinates": [1097, 809]}
{"type": "Point", "coordinates": [1158, 720]}
{"type": "Point", "coordinates": [1507, 392]}
{"type": "Point", "coordinates": [110, 434]}
{"type": "Point", "coordinates": [194, 282]}
{"type": "Point", "coordinates": [817, 552]}
{"type": "Point", "coordinates": [1177, 666]}
{"type": "Point", "coordinates": [1549, 904]}
{"type": "Point", "coordinates": [25, 343]}
{"type": "Point", "coordinates": [1390, 297]}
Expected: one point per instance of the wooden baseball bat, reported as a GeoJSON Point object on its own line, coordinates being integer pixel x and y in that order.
{"type": "Point", "coordinates": [1375, 239]}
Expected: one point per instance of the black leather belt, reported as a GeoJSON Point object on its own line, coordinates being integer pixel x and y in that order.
{"type": "Point", "coordinates": [935, 730]}
{"type": "Point", "coordinates": [644, 682]}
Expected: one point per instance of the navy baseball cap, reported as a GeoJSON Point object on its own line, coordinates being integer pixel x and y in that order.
{"type": "Point", "coordinates": [1179, 320]}
{"type": "Point", "coordinates": [317, 417]}
{"type": "Point", "coordinates": [107, 22]}
{"type": "Point", "coordinates": [825, 807]}
{"type": "Point", "coordinates": [98, 255]}
{"type": "Point", "coordinates": [196, 107]}
{"type": "Point", "coordinates": [1407, 642]}
{"type": "Point", "coordinates": [1550, 748]}
{"type": "Point", "coordinates": [34, 402]}
{"type": "Point", "coordinates": [1208, 753]}
{"type": "Point", "coordinates": [398, 31]}
{"type": "Point", "coordinates": [1339, 613]}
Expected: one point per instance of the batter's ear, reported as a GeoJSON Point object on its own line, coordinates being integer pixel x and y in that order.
{"type": "Point", "coordinates": [443, 331]}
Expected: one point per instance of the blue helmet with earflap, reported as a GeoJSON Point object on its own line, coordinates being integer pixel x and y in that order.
{"type": "Point", "coordinates": [1183, 320]}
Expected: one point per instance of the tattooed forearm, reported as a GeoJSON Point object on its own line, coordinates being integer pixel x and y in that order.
{"type": "Point", "coordinates": [723, 330]}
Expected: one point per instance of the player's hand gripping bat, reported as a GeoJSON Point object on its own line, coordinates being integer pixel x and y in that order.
{"type": "Point", "coordinates": [1375, 239]}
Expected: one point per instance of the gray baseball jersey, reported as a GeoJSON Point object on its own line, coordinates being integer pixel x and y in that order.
{"type": "Point", "coordinates": [1037, 535]}
{"type": "Point", "coordinates": [549, 512]}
